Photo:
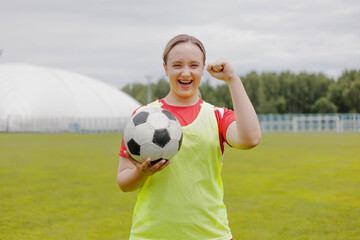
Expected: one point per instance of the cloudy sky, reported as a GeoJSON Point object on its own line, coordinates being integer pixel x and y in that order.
{"type": "Point", "coordinates": [121, 42]}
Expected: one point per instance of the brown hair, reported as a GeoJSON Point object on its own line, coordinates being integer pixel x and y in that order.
{"type": "Point", "coordinates": [182, 38]}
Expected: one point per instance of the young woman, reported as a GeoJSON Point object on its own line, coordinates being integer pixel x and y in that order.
{"type": "Point", "coordinates": [183, 198]}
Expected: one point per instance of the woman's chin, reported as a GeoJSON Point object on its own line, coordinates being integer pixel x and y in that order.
{"type": "Point", "coordinates": [187, 93]}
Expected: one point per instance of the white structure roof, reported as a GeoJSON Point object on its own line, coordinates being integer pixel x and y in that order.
{"type": "Point", "coordinates": [35, 91]}
{"type": "Point", "coordinates": [40, 99]}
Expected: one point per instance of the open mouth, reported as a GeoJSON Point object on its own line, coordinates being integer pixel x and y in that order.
{"type": "Point", "coordinates": [185, 83]}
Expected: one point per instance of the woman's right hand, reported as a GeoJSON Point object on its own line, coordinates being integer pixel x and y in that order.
{"type": "Point", "coordinates": [133, 174]}
{"type": "Point", "coordinates": [145, 168]}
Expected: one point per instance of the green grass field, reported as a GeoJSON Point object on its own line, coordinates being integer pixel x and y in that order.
{"type": "Point", "coordinates": [63, 186]}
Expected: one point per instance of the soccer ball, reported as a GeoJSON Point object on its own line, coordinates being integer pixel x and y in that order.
{"type": "Point", "coordinates": [152, 132]}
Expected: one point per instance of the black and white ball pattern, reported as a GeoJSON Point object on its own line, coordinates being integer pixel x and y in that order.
{"type": "Point", "coordinates": [153, 132]}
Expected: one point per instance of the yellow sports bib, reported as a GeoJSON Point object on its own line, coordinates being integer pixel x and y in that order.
{"type": "Point", "coordinates": [185, 200]}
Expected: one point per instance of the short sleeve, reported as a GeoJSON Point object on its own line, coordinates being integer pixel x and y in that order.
{"type": "Point", "coordinates": [123, 148]}
{"type": "Point", "coordinates": [224, 118]}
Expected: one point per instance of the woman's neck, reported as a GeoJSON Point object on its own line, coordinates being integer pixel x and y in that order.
{"type": "Point", "coordinates": [176, 100]}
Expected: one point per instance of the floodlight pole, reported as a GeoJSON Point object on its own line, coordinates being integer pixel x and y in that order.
{"type": "Point", "coordinates": [149, 98]}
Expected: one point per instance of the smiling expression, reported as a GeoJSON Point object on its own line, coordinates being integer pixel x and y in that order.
{"type": "Point", "coordinates": [184, 68]}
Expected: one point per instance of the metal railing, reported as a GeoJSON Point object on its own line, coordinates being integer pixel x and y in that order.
{"type": "Point", "coordinates": [63, 124]}
{"type": "Point", "coordinates": [311, 123]}
{"type": "Point", "coordinates": [296, 123]}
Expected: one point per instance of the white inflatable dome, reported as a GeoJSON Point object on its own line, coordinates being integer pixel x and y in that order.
{"type": "Point", "coordinates": [33, 93]}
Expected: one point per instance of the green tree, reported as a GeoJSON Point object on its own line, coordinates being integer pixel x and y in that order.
{"type": "Point", "coordinates": [271, 85]}
{"type": "Point", "coordinates": [280, 105]}
{"type": "Point", "coordinates": [324, 105]}
{"type": "Point", "coordinates": [352, 96]}
{"type": "Point", "coordinates": [253, 86]}
{"type": "Point", "coordinates": [276, 93]}
{"type": "Point", "coordinates": [285, 81]}
{"type": "Point", "coordinates": [223, 96]}
{"type": "Point", "coordinates": [137, 91]}
{"type": "Point", "coordinates": [161, 89]}
{"type": "Point", "coordinates": [342, 94]}
{"type": "Point", "coordinates": [208, 92]}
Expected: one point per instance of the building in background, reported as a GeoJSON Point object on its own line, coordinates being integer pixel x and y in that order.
{"type": "Point", "coordinates": [41, 99]}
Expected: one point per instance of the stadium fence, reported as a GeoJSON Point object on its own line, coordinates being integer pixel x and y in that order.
{"type": "Point", "coordinates": [270, 123]}
{"type": "Point", "coordinates": [301, 123]}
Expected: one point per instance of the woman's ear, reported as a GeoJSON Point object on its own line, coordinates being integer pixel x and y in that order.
{"type": "Point", "coordinates": [165, 68]}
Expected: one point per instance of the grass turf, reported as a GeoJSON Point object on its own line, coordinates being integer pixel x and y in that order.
{"type": "Point", "coordinates": [292, 186]}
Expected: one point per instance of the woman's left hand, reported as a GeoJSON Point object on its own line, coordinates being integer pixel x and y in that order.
{"type": "Point", "coordinates": [222, 70]}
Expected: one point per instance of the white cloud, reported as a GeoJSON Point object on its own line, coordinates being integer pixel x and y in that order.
{"type": "Point", "coordinates": [122, 41]}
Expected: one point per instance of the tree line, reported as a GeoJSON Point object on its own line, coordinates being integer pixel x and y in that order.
{"type": "Point", "coordinates": [283, 92]}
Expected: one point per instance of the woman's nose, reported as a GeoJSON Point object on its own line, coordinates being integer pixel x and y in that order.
{"type": "Point", "coordinates": [186, 73]}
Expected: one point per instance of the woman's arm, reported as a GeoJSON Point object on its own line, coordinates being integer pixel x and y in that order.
{"type": "Point", "coordinates": [132, 174]}
{"type": "Point", "coordinates": [245, 132]}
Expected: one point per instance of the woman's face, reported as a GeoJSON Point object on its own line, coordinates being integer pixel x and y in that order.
{"type": "Point", "coordinates": [184, 68]}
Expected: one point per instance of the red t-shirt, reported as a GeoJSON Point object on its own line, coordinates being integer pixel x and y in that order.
{"type": "Point", "coordinates": [188, 114]}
